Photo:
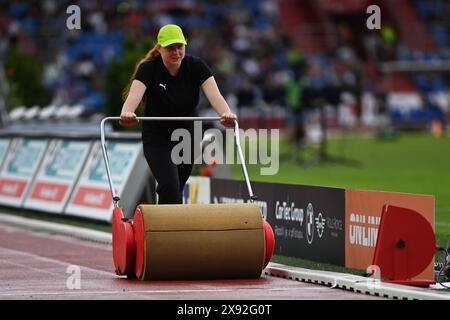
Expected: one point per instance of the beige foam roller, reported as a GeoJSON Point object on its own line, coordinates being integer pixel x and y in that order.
{"type": "Point", "coordinates": [202, 241]}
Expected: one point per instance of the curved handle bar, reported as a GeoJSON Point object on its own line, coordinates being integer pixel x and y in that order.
{"type": "Point", "coordinates": [116, 198]}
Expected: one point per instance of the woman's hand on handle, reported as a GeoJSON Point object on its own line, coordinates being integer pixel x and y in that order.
{"type": "Point", "coordinates": [128, 119]}
{"type": "Point", "coordinates": [134, 98]}
{"type": "Point", "coordinates": [227, 119]}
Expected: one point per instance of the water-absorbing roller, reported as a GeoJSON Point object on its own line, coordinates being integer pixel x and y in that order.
{"type": "Point", "coordinates": [190, 241]}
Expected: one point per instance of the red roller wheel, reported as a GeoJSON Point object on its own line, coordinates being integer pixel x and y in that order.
{"type": "Point", "coordinates": [139, 237]}
{"type": "Point", "coordinates": [123, 244]}
{"type": "Point", "coordinates": [270, 242]}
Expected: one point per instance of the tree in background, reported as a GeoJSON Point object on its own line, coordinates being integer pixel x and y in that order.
{"type": "Point", "coordinates": [24, 76]}
{"type": "Point", "coordinates": [118, 75]}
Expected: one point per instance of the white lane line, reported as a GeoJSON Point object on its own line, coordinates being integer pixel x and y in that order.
{"type": "Point", "coordinates": [49, 260]}
{"type": "Point", "coordinates": [32, 269]}
{"type": "Point", "coordinates": [72, 231]}
{"type": "Point", "coordinates": [77, 292]}
{"type": "Point", "coordinates": [59, 237]}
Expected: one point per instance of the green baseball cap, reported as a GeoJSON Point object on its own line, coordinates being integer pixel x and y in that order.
{"type": "Point", "coordinates": [170, 34]}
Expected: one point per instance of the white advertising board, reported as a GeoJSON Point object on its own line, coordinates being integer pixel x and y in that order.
{"type": "Point", "coordinates": [21, 163]}
{"type": "Point", "coordinates": [92, 197]}
{"type": "Point", "coordinates": [61, 167]}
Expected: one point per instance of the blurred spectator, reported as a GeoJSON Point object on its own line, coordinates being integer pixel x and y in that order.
{"type": "Point", "coordinates": [293, 100]}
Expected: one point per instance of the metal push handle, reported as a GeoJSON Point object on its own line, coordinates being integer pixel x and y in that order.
{"type": "Point", "coordinates": [116, 198]}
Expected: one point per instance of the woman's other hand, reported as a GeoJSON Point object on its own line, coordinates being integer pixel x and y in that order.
{"type": "Point", "coordinates": [227, 119]}
{"type": "Point", "coordinates": [128, 119]}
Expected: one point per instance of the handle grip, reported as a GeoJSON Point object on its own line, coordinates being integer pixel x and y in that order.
{"type": "Point", "coordinates": [116, 197]}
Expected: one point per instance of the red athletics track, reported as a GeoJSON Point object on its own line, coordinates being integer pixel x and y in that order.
{"type": "Point", "coordinates": [33, 265]}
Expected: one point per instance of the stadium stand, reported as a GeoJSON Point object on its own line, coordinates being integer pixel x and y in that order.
{"type": "Point", "coordinates": [264, 54]}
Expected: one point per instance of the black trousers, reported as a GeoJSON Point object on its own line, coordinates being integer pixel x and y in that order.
{"type": "Point", "coordinates": [171, 177]}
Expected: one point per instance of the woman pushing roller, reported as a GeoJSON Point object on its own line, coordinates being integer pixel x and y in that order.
{"type": "Point", "coordinates": [168, 84]}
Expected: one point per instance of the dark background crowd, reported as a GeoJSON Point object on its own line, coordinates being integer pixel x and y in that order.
{"type": "Point", "coordinates": [284, 58]}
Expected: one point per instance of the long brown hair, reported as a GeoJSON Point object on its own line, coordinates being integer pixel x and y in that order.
{"type": "Point", "coordinates": [152, 54]}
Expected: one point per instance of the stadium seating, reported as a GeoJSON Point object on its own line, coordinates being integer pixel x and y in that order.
{"type": "Point", "coordinates": [255, 48]}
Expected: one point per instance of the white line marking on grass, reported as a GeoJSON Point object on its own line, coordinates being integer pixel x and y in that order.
{"type": "Point", "coordinates": [443, 224]}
